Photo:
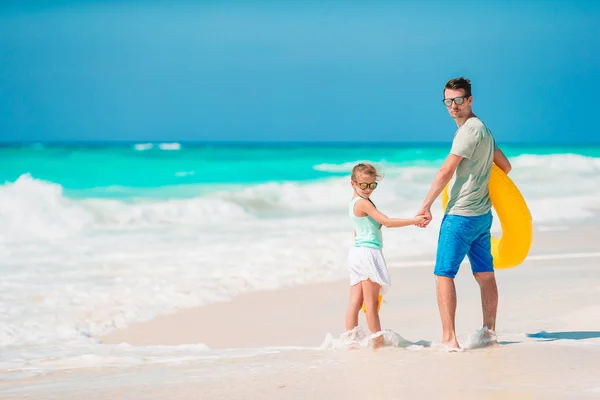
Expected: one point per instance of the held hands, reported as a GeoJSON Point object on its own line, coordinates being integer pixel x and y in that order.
{"type": "Point", "coordinates": [419, 220]}
{"type": "Point", "coordinates": [424, 216]}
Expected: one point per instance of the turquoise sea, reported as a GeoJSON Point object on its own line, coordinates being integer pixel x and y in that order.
{"type": "Point", "coordinates": [120, 170]}
{"type": "Point", "coordinates": [96, 236]}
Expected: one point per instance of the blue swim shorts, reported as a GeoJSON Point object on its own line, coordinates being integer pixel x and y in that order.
{"type": "Point", "coordinates": [464, 236]}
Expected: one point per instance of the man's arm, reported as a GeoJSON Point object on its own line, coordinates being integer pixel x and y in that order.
{"type": "Point", "coordinates": [441, 179]}
{"type": "Point", "coordinates": [439, 183]}
{"type": "Point", "coordinates": [502, 161]}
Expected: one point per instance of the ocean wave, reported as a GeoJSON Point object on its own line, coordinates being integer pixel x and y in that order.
{"type": "Point", "coordinates": [169, 146]}
{"type": "Point", "coordinates": [557, 162]}
{"type": "Point", "coordinates": [383, 166]}
{"type": "Point", "coordinates": [550, 162]}
{"type": "Point", "coordinates": [143, 146]}
{"type": "Point", "coordinates": [32, 208]}
{"type": "Point", "coordinates": [35, 208]}
{"type": "Point", "coordinates": [161, 146]}
{"type": "Point", "coordinates": [343, 167]}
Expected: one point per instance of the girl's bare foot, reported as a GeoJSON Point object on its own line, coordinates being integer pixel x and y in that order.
{"type": "Point", "coordinates": [378, 342]}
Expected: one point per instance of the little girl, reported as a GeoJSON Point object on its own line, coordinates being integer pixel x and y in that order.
{"type": "Point", "coordinates": [368, 272]}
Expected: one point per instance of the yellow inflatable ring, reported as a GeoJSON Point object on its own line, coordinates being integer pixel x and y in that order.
{"type": "Point", "coordinates": [379, 300]}
{"type": "Point", "coordinates": [517, 229]}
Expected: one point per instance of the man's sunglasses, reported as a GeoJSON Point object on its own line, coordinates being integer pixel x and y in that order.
{"type": "Point", "coordinates": [457, 100]}
{"type": "Point", "coordinates": [364, 186]}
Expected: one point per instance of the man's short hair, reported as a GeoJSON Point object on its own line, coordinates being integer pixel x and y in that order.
{"type": "Point", "coordinates": [459, 83]}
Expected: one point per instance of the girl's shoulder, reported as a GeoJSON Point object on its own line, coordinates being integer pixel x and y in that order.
{"type": "Point", "coordinates": [362, 202]}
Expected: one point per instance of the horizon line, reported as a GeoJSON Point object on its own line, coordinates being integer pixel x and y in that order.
{"type": "Point", "coordinates": [254, 143]}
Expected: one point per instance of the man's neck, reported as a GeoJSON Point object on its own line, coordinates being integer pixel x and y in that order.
{"type": "Point", "coordinates": [461, 121]}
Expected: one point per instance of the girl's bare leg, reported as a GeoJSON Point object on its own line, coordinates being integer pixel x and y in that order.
{"type": "Point", "coordinates": [354, 306]}
{"type": "Point", "coordinates": [370, 291]}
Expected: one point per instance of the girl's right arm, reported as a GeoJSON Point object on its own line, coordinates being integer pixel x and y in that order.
{"type": "Point", "coordinates": [369, 209]}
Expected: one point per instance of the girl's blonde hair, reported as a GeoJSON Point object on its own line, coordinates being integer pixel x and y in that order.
{"type": "Point", "coordinates": [366, 169]}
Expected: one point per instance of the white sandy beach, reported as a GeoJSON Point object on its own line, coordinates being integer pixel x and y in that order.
{"type": "Point", "coordinates": [275, 344]}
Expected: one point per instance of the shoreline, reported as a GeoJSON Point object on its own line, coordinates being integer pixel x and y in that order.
{"type": "Point", "coordinates": [276, 317]}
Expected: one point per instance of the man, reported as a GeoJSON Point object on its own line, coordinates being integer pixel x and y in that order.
{"type": "Point", "coordinates": [465, 228]}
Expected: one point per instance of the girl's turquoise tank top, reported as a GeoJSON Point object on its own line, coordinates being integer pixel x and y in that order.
{"type": "Point", "coordinates": [368, 231]}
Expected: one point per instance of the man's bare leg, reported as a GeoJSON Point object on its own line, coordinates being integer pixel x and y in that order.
{"type": "Point", "coordinates": [446, 298]}
{"type": "Point", "coordinates": [489, 298]}
{"type": "Point", "coordinates": [354, 306]}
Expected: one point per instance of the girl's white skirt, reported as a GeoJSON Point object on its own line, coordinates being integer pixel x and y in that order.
{"type": "Point", "coordinates": [368, 263]}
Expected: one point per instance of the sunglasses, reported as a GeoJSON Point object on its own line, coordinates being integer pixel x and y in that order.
{"type": "Point", "coordinates": [364, 186]}
{"type": "Point", "coordinates": [457, 100]}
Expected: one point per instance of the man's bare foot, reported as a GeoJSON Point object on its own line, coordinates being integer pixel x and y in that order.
{"type": "Point", "coordinates": [453, 349]}
{"type": "Point", "coordinates": [451, 344]}
{"type": "Point", "coordinates": [484, 337]}
{"type": "Point", "coordinates": [447, 347]}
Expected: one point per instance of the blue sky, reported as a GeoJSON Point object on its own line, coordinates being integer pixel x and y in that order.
{"type": "Point", "coordinates": [291, 71]}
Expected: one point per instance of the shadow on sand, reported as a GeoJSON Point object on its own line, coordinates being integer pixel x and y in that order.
{"type": "Point", "coordinates": [576, 335]}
